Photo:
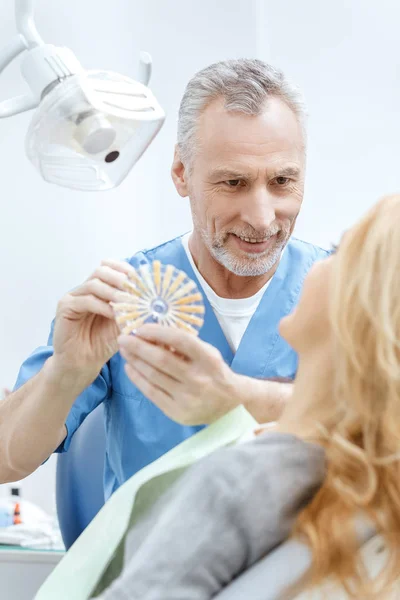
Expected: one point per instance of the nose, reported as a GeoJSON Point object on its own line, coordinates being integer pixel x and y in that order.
{"type": "Point", "coordinates": [258, 209]}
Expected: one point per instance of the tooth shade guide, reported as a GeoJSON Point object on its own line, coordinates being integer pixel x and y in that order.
{"type": "Point", "coordinates": [175, 284]}
{"type": "Point", "coordinates": [136, 284]}
{"type": "Point", "coordinates": [159, 307]}
{"type": "Point", "coordinates": [193, 298]}
{"type": "Point", "coordinates": [185, 289]}
{"type": "Point", "coordinates": [132, 316]}
{"type": "Point", "coordinates": [167, 278]}
{"type": "Point", "coordinates": [157, 275]}
{"type": "Point", "coordinates": [189, 319]}
{"type": "Point", "coordinates": [186, 327]}
{"type": "Point", "coordinates": [158, 293]}
{"type": "Point", "coordinates": [147, 277]}
{"type": "Point", "coordinates": [132, 289]}
{"type": "Point", "coordinates": [131, 327]}
{"type": "Point", "coordinates": [192, 309]}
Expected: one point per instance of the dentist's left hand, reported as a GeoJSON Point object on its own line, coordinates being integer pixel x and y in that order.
{"type": "Point", "coordinates": [184, 376]}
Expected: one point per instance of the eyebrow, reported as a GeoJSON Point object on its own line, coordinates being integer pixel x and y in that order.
{"type": "Point", "coordinates": [229, 173]}
{"type": "Point", "coordinates": [287, 172]}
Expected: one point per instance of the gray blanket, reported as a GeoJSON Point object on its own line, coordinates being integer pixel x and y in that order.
{"type": "Point", "coordinates": [225, 514]}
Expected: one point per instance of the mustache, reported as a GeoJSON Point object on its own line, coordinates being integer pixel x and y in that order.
{"type": "Point", "coordinates": [252, 233]}
{"type": "Point", "coordinates": [257, 235]}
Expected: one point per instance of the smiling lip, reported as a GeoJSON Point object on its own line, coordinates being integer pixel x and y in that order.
{"type": "Point", "coordinates": [254, 247]}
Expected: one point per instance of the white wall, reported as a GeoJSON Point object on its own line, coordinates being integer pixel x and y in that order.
{"type": "Point", "coordinates": [51, 238]}
{"type": "Point", "coordinates": [345, 56]}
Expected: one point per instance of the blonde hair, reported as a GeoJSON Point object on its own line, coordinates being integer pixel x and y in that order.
{"type": "Point", "coordinates": [362, 441]}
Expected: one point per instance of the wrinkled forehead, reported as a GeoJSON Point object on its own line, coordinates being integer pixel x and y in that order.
{"type": "Point", "coordinates": [273, 135]}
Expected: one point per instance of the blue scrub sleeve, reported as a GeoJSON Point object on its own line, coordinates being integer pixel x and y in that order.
{"type": "Point", "coordinates": [90, 398]}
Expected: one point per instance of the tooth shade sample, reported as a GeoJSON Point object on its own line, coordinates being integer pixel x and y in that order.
{"type": "Point", "coordinates": [157, 293]}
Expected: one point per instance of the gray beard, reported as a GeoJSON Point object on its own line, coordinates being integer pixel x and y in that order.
{"type": "Point", "coordinates": [255, 265]}
{"type": "Point", "coordinates": [252, 267]}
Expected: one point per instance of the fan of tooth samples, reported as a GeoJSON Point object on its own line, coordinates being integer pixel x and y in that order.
{"type": "Point", "coordinates": [157, 293]}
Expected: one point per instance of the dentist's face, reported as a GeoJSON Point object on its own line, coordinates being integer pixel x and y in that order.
{"type": "Point", "coordinates": [246, 184]}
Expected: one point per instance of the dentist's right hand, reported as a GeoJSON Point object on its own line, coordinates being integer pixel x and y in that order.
{"type": "Point", "coordinates": [34, 417]}
{"type": "Point", "coordinates": [85, 332]}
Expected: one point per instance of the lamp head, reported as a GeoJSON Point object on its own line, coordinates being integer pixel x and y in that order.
{"type": "Point", "coordinates": [89, 127]}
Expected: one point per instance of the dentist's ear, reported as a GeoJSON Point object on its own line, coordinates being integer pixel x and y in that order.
{"type": "Point", "coordinates": [179, 175]}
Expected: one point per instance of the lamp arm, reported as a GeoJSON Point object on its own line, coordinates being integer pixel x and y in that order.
{"type": "Point", "coordinates": [25, 23]}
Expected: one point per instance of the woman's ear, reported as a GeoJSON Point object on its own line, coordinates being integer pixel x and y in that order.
{"type": "Point", "coordinates": [179, 175]}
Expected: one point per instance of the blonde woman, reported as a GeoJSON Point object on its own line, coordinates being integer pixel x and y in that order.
{"type": "Point", "coordinates": [332, 460]}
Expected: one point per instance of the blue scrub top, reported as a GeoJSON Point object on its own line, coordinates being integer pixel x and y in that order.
{"type": "Point", "coordinates": [137, 432]}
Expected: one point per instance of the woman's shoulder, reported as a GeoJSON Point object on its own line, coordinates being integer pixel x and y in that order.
{"type": "Point", "coordinates": [269, 457]}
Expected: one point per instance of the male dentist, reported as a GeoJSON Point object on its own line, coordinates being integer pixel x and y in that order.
{"type": "Point", "coordinates": [240, 158]}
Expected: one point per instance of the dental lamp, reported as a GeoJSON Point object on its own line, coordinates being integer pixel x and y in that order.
{"type": "Point", "coordinates": [89, 127]}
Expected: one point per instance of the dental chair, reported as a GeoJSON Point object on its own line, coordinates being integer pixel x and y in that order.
{"type": "Point", "coordinates": [79, 478]}
{"type": "Point", "coordinates": [79, 493]}
{"type": "Point", "coordinates": [285, 565]}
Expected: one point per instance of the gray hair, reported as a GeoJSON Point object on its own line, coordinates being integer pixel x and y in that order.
{"type": "Point", "coordinates": [245, 85]}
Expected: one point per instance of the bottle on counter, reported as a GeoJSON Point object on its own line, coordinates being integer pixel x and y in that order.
{"type": "Point", "coordinates": [15, 495]}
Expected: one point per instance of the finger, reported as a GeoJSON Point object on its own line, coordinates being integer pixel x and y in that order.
{"type": "Point", "coordinates": [99, 289]}
{"type": "Point", "coordinates": [159, 397]}
{"type": "Point", "coordinates": [156, 356]}
{"type": "Point", "coordinates": [110, 276]}
{"type": "Point", "coordinates": [86, 304]}
{"type": "Point", "coordinates": [183, 342]}
{"type": "Point", "coordinates": [118, 265]}
{"type": "Point", "coordinates": [165, 382]}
